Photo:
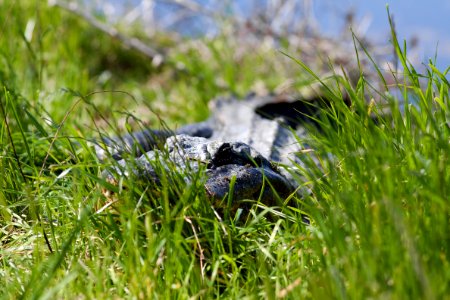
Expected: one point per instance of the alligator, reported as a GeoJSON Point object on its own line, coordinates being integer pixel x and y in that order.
{"type": "Point", "coordinates": [250, 144]}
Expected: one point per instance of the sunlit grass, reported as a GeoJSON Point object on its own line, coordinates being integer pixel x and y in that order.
{"type": "Point", "coordinates": [378, 205]}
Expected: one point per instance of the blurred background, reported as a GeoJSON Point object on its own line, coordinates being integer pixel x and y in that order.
{"type": "Point", "coordinates": [423, 24]}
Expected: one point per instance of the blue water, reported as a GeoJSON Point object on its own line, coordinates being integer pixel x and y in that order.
{"type": "Point", "coordinates": [428, 21]}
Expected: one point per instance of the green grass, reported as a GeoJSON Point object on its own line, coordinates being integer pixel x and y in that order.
{"type": "Point", "coordinates": [379, 204]}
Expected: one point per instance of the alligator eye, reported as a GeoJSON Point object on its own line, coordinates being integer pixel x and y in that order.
{"type": "Point", "coordinates": [291, 113]}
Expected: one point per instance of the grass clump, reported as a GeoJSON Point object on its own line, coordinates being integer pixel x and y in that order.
{"type": "Point", "coordinates": [378, 206]}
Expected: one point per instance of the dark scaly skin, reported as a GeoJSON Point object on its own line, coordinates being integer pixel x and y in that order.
{"type": "Point", "coordinates": [140, 142]}
{"type": "Point", "coordinates": [239, 141]}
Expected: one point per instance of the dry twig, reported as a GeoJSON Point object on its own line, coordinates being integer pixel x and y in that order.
{"type": "Point", "coordinates": [132, 43]}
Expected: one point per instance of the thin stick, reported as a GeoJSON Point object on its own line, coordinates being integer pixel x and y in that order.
{"type": "Point", "coordinates": [200, 249]}
{"type": "Point", "coordinates": [132, 43]}
{"type": "Point", "coordinates": [19, 164]}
